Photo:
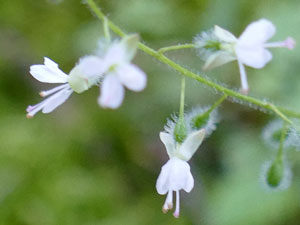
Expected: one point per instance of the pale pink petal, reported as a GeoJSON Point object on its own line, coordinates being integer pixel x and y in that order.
{"type": "Point", "coordinates": [50, 103]}
{"type": "Point", "coordinates": [48, 73]}
{"type": "Point", "coordinates": [256, 57]}
{"type": "Point", "coordinates": [132, 77]}
{"type": "Point", "coordinates": [257, 33]}
{"type": "Point", "coordinates": [112, 92]}
{"type": "Point", "coordinates": [116, 55]}
{"type": "Point", "coordinates": [92, 66]}
{"type": "Point", "coordinates": [56, 100]}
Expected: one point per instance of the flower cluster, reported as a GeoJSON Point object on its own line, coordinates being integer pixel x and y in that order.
{"type": "Point", "coordinates": [113, 70]}
{"type": "Point", "coordinates": [219, 46]}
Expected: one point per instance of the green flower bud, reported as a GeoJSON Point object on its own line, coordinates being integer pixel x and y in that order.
{"type": "Point", "coordinates": [275, 173]}
{"type": "Point", "coordinates": [200, 121]}
{"type": "Point", "coordinates": [180, 131]}
{"type": "Point", "coordinates": [272, 134]}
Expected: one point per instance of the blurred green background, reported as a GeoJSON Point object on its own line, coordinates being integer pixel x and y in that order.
{"type": "Point", "coordinates": [85, 165]}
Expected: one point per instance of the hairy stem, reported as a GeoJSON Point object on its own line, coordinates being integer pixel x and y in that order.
{"type": "Point", "coordinates": [281, 112]}
{"type": "Point", "coordinates": [175, 47]}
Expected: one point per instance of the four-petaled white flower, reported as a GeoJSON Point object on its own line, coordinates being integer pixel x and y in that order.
{"type": "Point", "coordinates": [175, 175]}
{"type": "Point", "coordinates": [84, 75]}
{"type": "Point", "coordinates": [120, 72]}
{"type": "Point", "coordinates": [249, 49]}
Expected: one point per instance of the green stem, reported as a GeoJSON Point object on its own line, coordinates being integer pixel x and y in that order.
{"type": "Point", "coordinates": [175, 47]}
{"type": "Point", "coordinates": [281, 143]}
{"type": "Point", "coordinates": [181, 109]}
{"type": "Point", "coordinates": [106, 29]}
{"type": "Point", "coordinates": [215, 105]}
{"type": "Point", "coordinates": [281, 112]}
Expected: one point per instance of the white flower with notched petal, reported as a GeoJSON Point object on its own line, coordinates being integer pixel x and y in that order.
{"type": "Point", "coordinates": [249, 49]}
{"type": "Point", "coordinates": [175, 175]}
{"type": "Point", "coordinates": [84, 75]}
{"type": "Point", "coordinates": [120, 72]}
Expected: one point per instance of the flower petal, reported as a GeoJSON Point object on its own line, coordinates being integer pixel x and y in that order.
{"type": "Point", "coordinates": [257, 33]}
{"type": "Point", "coordinates": [50, 103]}
{"type": "Point", "coordinates": [189, 183]}
{"type": "Point", "coordinates": [132, 77]}
{"type": "Point", "coordinates": [174, 176]}
{"type": "Point", "coordinates": [256, 57]}
{"type": "Point", "coordinates": [123, 51]}
{"type": "Point", "coordinates": [162, 183]}
{"type": "Point", "coordinates": [191, 144]}
{"type": "Point", "coordinates": [48, 73]}
{"type": "Point", "coordinates": [112, 92]}
{"type": "Point", "coordinates": [56, 100]}
{"type": "Point", "coordinates": [116, 55]}
{"type": "Point", "coordinates": [92, 66]}
{"type": "Point", "coordinates": [168, 141]}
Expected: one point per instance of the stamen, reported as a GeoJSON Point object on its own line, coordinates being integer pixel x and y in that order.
{"type": "Point", "coordinates": [288, 43]}
{"type": "Point", "coordinates": [177, 210]}
{"type": "Point", "coordinates": [53, 90]}
{"type": "Point", "coordinates": [168, 203]}
{"type": "Point", "coordinates": [244, 82]}
{"type": "Point", "coordinates": [32, 110]}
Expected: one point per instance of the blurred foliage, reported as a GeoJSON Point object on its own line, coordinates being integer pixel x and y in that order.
{"type": "Point", "coordinates": [85, 165]}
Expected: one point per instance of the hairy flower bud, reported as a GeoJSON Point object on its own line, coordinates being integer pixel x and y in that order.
{"type": "Point", "coordinates": [180, 131]}
{"type": "Point", "coordinates": [200, 117]}
{"type": "Point", "coordinates": [275, 173]}
{"type": "Point", "coordinates": [272, 134]}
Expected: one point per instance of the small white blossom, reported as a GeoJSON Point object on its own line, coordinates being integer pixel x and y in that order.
{"type": "Point", "coordinates": [250, 49]}
{"type": "Point", "coordinates": [82, 77]}
{"type": "Point", "coordinates": [120, 72]}
{"type": "Point", "coordinates": [175, 175]}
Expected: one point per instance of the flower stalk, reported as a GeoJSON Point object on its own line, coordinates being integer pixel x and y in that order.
{"type": "Point", "coordinates": [175, 47]}
{"type": "Point", "coordinates": [180, 128]}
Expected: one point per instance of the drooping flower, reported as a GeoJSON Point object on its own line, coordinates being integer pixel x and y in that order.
{"type": "Point", "coordinates": [84, 75]}
{"type": "Point", "coordinates": [121, 72]}
{"type": "Point", "coordinates": [175, 175]}
{"type": "Point", "coordinates": [249, 49]}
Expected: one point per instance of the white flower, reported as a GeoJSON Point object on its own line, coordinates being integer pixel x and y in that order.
{"type": "Point", "coordinates": [175, 175]}
{"type": "Point", "coordinates": [120, 72]}
{"type": "Point", "coordinates": [249, 49]}
{"type": "Point", "coordinates": [82, 77]}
